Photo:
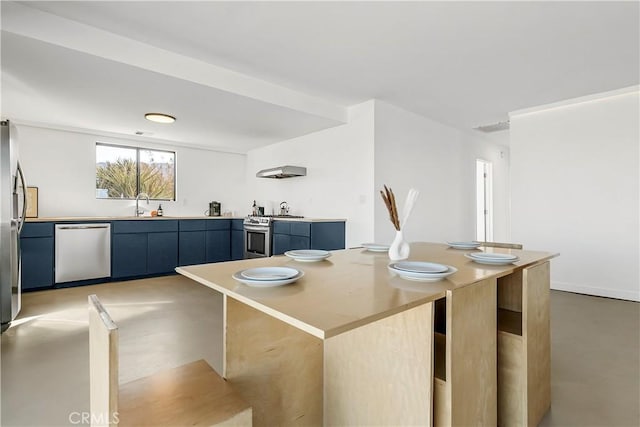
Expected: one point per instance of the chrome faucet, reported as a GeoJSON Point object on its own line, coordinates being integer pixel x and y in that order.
{"type": "Point", "coordinates": [138, 210]}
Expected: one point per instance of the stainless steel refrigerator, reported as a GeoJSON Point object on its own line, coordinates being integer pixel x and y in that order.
{"type": "Point", "coordinates": [13, 206]}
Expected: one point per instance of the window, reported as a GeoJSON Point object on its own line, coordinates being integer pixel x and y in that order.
{"type": "Point", "coordinates": [125, 172]}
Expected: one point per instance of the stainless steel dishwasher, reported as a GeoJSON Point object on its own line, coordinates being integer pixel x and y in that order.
{"type": "Point", "coordinates": [83, 251]}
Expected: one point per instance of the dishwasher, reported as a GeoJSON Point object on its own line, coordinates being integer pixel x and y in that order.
{"type": "Point", "coordinates": [83, 251]}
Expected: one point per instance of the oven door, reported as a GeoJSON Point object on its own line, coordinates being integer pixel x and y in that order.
{"type": "Point", "coordinates": [257, 241]}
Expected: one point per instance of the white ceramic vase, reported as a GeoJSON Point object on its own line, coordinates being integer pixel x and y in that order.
{"type": "Point", "coordinates": [399, 249]}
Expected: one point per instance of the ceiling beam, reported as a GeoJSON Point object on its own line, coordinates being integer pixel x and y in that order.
{"type": "Point", "coordinates": [29, 22]}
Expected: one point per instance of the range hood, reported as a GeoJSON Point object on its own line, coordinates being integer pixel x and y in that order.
{"type": "Point", "coordinates": [282, 172]}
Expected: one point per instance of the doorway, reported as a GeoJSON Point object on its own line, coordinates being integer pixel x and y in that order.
{"type": "Point", "coordinates": [484, 201]}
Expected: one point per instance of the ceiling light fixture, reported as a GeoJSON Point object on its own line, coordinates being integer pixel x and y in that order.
{"type": "Point", "coordinates": [159, 118]}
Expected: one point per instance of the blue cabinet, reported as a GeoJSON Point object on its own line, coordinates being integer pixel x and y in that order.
{"type": "Point", "coordinates": [218, 247]}
{"type": "Point", "coordinates": [290, 235]}
{"type": "Point", "coordinates": [280, 244]}
{"type": "Point", "coordinates": [203, 241]}
{"type": "Point", "coordinates": [191, 247]}
{"type": "Point", "coordinates": [162, 252]}
{"type": "Point", "coordinates": [237, 239]}
{"type": "Point", "coordinates": [37, 249]}
{"type": "Point", "coordinates": [218, 240]}
{"type": "Point", "coordinates": [328, 235]}
{"type": "Point", "coordinates": [129, 254]}
{"type": "Point", "coordinates": [192, 241]}
{"type": "Point", "coordinates": [139, 248]}
{"type": "Point", "coordinates": [143, 247]}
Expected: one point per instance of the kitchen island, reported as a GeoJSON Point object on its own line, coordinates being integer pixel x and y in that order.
{"type": "Point", "coordinates": [349, 343]}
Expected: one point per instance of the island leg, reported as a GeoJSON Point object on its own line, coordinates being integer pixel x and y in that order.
{"type": "Point", "coordinates": [381, 373]}
{"type": "Point", "coordinates": [466, 389]}
{"type": "Point", "coordinates": [275, 367]}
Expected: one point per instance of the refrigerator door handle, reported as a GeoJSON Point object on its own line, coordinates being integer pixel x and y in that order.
{"type": "Point", "coordinates": [21, 218]}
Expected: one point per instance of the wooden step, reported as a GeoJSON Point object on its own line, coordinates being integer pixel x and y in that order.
{"type": "Point", "coordinates": [192, 394]}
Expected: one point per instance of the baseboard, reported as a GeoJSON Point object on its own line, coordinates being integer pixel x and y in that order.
{"type": "Point", "coordinates": [600, 292]}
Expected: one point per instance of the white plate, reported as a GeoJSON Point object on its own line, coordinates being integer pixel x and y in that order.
{"type": "Point", "coordinates": [308, 255]}
{"type": "Point", "coordinates": [269, 273]}
{"type": "Point", "coordinates": [375, 247]}
{"type": "Point", "coordinates": [464, 245]}
{"type": "Point", "coordinates": [422, 277]}
{"type": "Point", "coordinates": [420, 267]}
{"type": "Point", "coordinates": [266, 283]}
{"type": "Point", "coordinates": [489, 261]}
{"type": "Point", "coordinates": [493, 256]}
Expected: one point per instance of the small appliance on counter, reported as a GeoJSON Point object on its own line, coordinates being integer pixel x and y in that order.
{"type": "Point", "coordinates": [215, 209]}
{"type": "Point", "coordinates": [284, 208]}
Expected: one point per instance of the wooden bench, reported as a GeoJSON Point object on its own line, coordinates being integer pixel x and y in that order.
{"type": "Point", "coordinates": [192, 394]}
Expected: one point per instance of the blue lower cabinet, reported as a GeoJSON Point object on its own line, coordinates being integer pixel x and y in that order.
{"type": "Point", "coordinates": [282, 227]}
{"type": "Point", "coordinates": [290, 235]}
{"type": "Point", "coordinates": [299, 242]}
{"type": "Point", "coordinates": [237, 244]}
{"type": "Point", "coordinates": [191, 247]}
{"type": "Point", "coordinates": [37, 262]}
{"type": "Point", "coordinates": [281, 244]}
{"type": "Point", "coordinates": [328, 235]}
{"type": "Point", "coordinates": [218, 245]}
{"type": "Point", "coordinates": [129, 255]}
{"type": "Point", "coordinates": [301, 229]}
{"type": "Point", "coordinates": [287, 242]}
{"type": "Point", "coordinates": [162, 252]}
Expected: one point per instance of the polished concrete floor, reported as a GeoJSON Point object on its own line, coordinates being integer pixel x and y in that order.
{"type": "Point", "coordinates": [166, 322]}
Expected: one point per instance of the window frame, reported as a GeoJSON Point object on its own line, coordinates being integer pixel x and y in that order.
{"type": "Point", "coordinates": [137, 149]}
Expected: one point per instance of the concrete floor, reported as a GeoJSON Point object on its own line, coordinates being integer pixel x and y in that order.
{"type": "Point", "coordinates": [166, 322]}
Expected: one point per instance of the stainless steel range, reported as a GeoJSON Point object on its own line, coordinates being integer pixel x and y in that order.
{"type": "Point", "coordinates": [258, 235]}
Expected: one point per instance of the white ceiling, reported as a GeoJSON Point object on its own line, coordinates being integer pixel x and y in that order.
{"type": "Point", "coordinates": [243, 74]}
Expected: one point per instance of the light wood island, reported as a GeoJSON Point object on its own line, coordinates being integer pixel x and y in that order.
{"type": "Point", "coordinates": [351, 344]}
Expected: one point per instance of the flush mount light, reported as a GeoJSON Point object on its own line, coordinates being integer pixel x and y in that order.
{"type": "Point", "coordinates": [160, 118]}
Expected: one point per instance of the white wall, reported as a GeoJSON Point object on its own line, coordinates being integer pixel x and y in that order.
{"type": "Point", "coordinates": [481, 147]}
{"type": "Point", "coordinates": [439, 161]}
{"type": "Point", "coordinates": [62, 165]}
{"type": "Point", "coordinates": [346, 167]}
{"type": "Point", "coordinates": [339, 181]}
{"type": "Point", "coordinates": [575, 190]}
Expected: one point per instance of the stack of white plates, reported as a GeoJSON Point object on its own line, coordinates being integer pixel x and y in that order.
{"type": "Point", "coordinates": [464, 245]}
{"type": "Point", "coordinates": [491, 258]}
{"type": "Point", "coordinates": [308, 255]}
{"type": "Point", "coordinates": [421, 271]}
{"type": "Point", "coordinates": [375, 247]}
{"type": "Point", "coordinates": [268, 277]}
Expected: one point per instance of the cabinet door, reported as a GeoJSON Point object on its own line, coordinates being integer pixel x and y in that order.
{"type": "Point", "coordinates": [237, 224]}
{"type": "Point", "coordinates": [328, 236]}
{"type": "Point", "coordinates": [218, 224]}
{"type": "Point", "coordinates": [299, 242]}
{"type": "Point", "coordinates": [162, 253]}
{"type": "Point", "coordinates": [218, 245]}
{"type": "Point", "coordinates": [37, 262]}
{"type": "Point", "coordinates": [281, 227]}
{"type": "Point", "coordinates": [129, 255]}
{"type": "Point", "coordinates": [281, 243]}
{"type": "Point", "coordinates": [237, 244]}
{"type": "Point", "coordinates": [191, 247]}
{"type": "Point", "coordinates": [301, 229]}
